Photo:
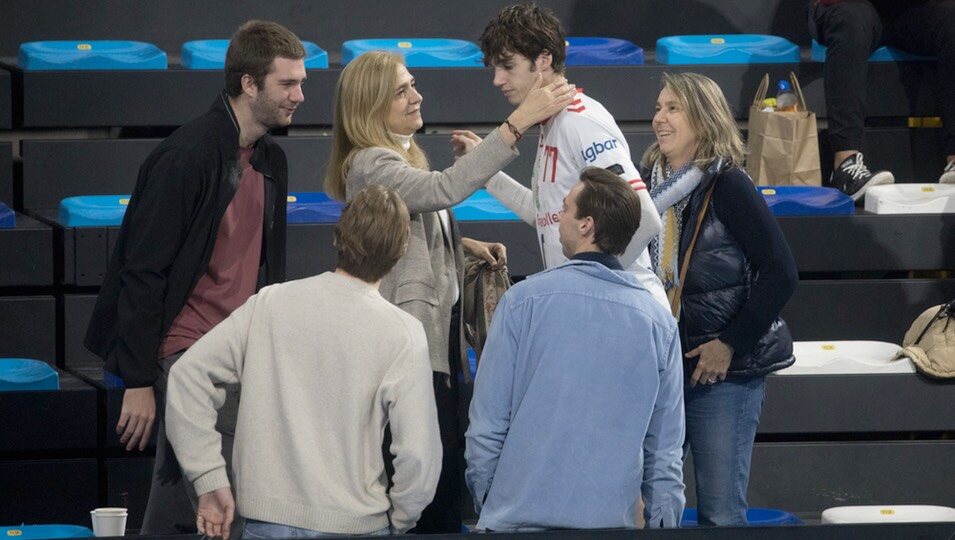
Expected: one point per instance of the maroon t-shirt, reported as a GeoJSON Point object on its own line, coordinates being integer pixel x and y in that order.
{"type": "Point", "coordinates": [233, 269]}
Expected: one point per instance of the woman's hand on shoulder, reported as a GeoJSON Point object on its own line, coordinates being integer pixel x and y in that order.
{"type": "Point", "coordinates": [714, 361]}
{"type": "Point", "coordinates": [463, 141]}
{"type": "Point", "coordinates": [492, 252]}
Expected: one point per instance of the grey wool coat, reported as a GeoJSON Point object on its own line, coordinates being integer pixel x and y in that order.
{"type": "Point", "coordinates": [421, 282]}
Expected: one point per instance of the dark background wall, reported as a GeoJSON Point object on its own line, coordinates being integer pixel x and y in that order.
{"type": "Point", "coordinates": [169, 23]}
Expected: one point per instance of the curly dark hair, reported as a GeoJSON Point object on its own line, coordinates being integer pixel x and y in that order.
{"type": "Point", "coordinates": [525, 29]}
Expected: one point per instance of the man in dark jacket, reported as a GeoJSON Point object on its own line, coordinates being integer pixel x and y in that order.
{"type": "Point", "coordinates": [205, 228]}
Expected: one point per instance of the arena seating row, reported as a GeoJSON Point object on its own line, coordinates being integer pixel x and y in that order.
{"type": "Point", "coordinates": [65, 422]}
{"type": "Point", "coordinates": [123, 55]}
{"type": "Point", "coordinates": [452, 95]}
{"type": "Point", "coordinates": [733, 48]}
{"type": "Point", "coordinates": [76, 422]}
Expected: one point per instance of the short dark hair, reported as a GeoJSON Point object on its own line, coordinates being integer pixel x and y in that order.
{"type": "Point", "coordinates": [614, 207]}
{"type": "Point", "coordinates": [372, 234]}
{"type": "Point", "coordinates": [252, 49]}
{"type": "Point", "coordinates": [525, 29]}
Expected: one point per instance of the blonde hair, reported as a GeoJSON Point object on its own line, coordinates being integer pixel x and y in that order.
{"type": "Point", "coordinates": [363, 97]}
{"type": "Point", "coordinates": [710, 117]}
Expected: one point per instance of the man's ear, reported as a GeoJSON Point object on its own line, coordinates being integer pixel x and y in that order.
{"type": "Point", "coordinates": [543, 60]}
{"type": "Point", "coordinates": [586, 227]}
{"type": "Point", "coordinates": [249, 87]}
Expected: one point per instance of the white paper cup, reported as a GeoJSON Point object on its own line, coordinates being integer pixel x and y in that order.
{"type": "Point", "coordinates": [109, 521]}
{"type": "Point", "coordinates": [109, 511]}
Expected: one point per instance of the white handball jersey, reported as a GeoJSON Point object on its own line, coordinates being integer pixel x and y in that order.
{"type": "Point", "coordinates": [583, 135]}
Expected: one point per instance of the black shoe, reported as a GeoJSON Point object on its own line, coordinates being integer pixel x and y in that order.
{"type": "Point", "coordinates": [853, 178]}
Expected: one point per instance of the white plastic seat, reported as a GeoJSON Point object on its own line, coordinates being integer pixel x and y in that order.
{"type": "Point", "coordinates": [846, 358]}
{"type": "Point", "coordinates": [911, 199]}
{"type": "Point", "coordinates": [900, 513]}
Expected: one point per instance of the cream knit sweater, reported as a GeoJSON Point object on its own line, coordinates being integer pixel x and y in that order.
{"type": "Point", "coordinates": [324, 364]}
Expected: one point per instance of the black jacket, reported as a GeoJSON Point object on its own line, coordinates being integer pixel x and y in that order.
{"type": "Point", "coordinates": [168, 234]}
{"type": "Point", "coordinates": [735, 288]}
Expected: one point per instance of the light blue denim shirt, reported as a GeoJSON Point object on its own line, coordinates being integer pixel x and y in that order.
{"type": "Point", "coordinates": [578, 406]}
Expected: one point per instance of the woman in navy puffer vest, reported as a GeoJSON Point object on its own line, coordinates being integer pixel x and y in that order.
{"type": "Point", "coordinates": [740, 275]}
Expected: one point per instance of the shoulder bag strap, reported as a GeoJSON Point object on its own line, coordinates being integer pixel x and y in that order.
{"type": "Point", "coordinates": [678, 293]}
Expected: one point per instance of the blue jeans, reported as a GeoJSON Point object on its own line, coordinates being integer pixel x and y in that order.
{"type": "Point", "coordinates": [263, 529]}
{"type": "Point", "coordinates": [721, 422]}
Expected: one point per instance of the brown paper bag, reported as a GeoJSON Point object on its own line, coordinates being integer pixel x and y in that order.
{"type": "Point", "coordinates": [783, 147]}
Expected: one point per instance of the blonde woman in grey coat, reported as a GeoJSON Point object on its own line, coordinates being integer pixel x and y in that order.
{"type": "Point", "coordinates": [377, 112]}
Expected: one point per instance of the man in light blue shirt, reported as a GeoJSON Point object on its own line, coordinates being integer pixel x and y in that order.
{"type": "Point", "coordinates": [578, 402]}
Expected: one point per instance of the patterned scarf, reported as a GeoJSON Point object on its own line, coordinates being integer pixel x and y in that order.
{"type": "Point", "coordinates": [670, 194]}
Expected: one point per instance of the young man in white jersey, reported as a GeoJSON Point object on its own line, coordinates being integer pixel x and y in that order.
{"type": "Point", "coordinates": [524, 43]}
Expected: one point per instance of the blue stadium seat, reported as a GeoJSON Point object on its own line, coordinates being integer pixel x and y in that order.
{"type": "Point", "coordinates": [482, 206]}
{"type": "Point", "coordinates": [726, 49]}
{"type": "Point", "coordinates": [90, 55]}
{"type": "Point", "coordinates": [419, 52]}
{"type": "Point", "coordinates": [8, 219]}
{"type": "Point", "coordinates": [882, 54]}
{"type": "Point", "coordinates": [210, 54]}
{"type": "Point", "coordinates": [602, 51]}
{"type": "Point", "coordinates": [37, 532]}
{"type": "Point", "coordinates": [757, 517]}
{"type": "Point", "coordinates": [93, 210]}
{"type": "Point", "coordinates": [19, 374]}
{"type": "Point", "coordinates": [806, 201]}
{"type": "Point", "coordinates": [315, 207]}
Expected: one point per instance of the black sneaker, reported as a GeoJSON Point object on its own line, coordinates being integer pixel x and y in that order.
{"type": "Point", "coordinates": [853, 178]}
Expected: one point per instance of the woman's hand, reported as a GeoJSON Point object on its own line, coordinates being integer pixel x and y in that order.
{"type": "Point", "coordinates": [494, 253]}
{"type": "Point", "coordinates": [463, 141]}
{"type": "Point", "coordinates": [542, 102]}
{"type": "Point", "coordinates": [715, 357]}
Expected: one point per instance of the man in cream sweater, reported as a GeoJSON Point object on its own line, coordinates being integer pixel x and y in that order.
{"type": "Point", "coordinates": [324, 363]}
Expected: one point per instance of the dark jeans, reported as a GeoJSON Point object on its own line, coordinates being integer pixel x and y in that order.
{"type": "Point", "coordinates": [852, 29]}
{"type": "Point", "coordinates": [443, 515]}
{"type": "Point", "coordinates": [172, 504]}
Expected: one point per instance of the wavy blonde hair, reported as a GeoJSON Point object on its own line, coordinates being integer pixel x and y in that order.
{"type": "Point", "coordinates": [363, 97]}
{"type": "Point", "coordinates": [710, 117]}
